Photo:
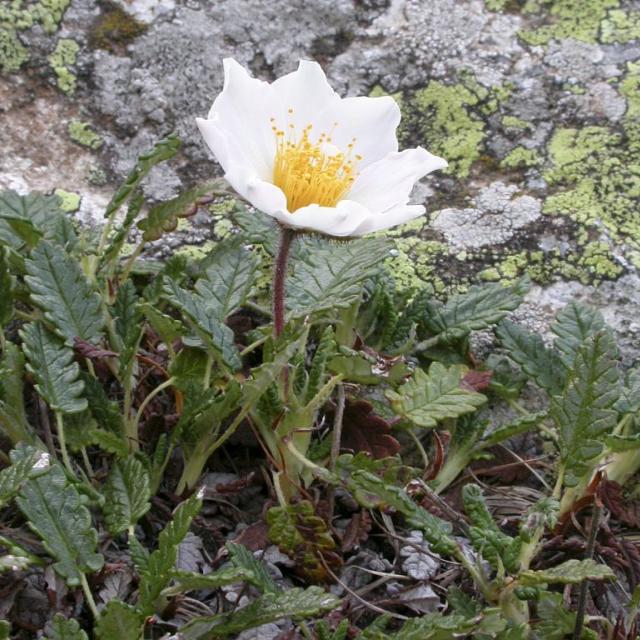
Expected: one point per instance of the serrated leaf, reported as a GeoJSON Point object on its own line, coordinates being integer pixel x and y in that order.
{"type": "Point", "coordinates": [119, 621]}
{"type": "Point", "coordinates": [584, 414]}
{"type": "Point", "coordinates": [13, 417]}
{"type": "Point", "coordinates": [109, 442]}
{"type": "Point", "coordinates": [63, 629]}
{"type": "Point", "coordinates": [169, 329]}
{"type": "Point", "coordinates": [6, 290]}
{"type": "Point", "coordinates": [479, 308]}
{"type": "Point", "coordinates": [52, 365]}
{"type": "Point", "coordinates": [303, 536]}
{"type": "Point", "coordinates": [160, 565]}
{"type": "Point", "coordinates": [128, 321]}
{"type": "Point", "coordinates": [331, 274]}
{"type": "Point", "coordinates": [376, 492]}
{"type": "Point", "coordinates": [326, 348]}
{"type": "Point", "coordinates": [55, 512]}
{"type": "Point", "coordinates": [231, 271]}
{"type": "Point", "coordinates": [430, 397]}
{"type": "Point", "coordinates": [572, 326]}
{"type": "Point", "coordinates": [59, 287]}
{"type": "Point", "coordinates": [212, 330]}
{"type": "Point", "coordinates": [184, 581]}
{"type": "Point", "coordinates": [536, 360]}
{"type": "Point", "coordinates": [105, 411]}
{"type": "Point", "coordinates": [630, 400]}
{"type": "Point", "coordinates": [163, 217]}
{"type": "Point", "coordinates": [292, 604]}
{"type": "Point", "coordinates": [27, 463]}
{"type": "Point", "coordinates": [506, 431]}
{"type": "Point", "coordinates": [432, 626]}
{"type": "Point", "coordinates": [117, 241]}
{"type": "Point", "coordinates": [163, 150]}
{"type": "Point", "coordinates": [40, 214]}
{"type": "Point", "coordinates": [242, 558]}
{"type": "Point", "coordinates": [569, 572]}
{"type": "Point", "coordinates": [127, 495]}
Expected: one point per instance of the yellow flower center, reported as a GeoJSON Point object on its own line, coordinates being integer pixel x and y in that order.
{"type": "Point", "coordinates": [306, 171]}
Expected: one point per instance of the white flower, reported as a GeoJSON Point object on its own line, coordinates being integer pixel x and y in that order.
{"type": "Point", "coordinates": [298, 152]}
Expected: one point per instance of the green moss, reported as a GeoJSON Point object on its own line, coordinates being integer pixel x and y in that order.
{"type": "Point", "coordinates": [439, 118]}
{"type": "Point", "coordinates": [620, 26]}
{"type": "Point", "coordinates": [64, 56]}
{"type": "Point", "coordinates": [12, 52]}
{"type": "Point", "coordinates": [81, 133]}
{"type": "Point", "coordinates": [69, 201]}
{"type": "Point", "coordinates": [577, 19]}
{"type": "Point", "coordinates": [520, 157]}
{"type": "Point", "coordinates": [15, 16]}
{"type": "Point", "coordinates": [114, 29]}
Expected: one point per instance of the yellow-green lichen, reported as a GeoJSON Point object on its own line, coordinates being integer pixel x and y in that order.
{"type": "Point", "coordinates": [621, 26]}
{"type": "Point", "coordinates": [440, 117]}
{"type": "Point", "coordinates": [64, 56]}
{"type": "Point", "coordinates": [416, 264]}
{"type": "Point", "coordinates": [15, 16]}
{"type": "Point", "coordinates": [511, 122]}
{"type": "Point", "coordinates": [576, 19]}
{"type": "Point", "coordinates": [13, 54]}
{"type": "Point", "coordinates": [114, 29]}
{"type": "Point", "coordinates": [196, 252]}
{"type": "Point", "coordinates": [520, 157]}
{"type": "Point", "coordinates": [81, 133]}
{"type": "Point", "coordinates": [69, 201]}
{"type": "Point", "coordinates": [630, 89]}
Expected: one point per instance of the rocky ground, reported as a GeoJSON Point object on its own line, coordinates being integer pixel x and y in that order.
{"type": "Point", "coordinates": [535, 104]}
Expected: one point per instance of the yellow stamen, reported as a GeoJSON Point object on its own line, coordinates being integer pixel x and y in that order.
{"type": "Point", "coordinates": [306, 173]}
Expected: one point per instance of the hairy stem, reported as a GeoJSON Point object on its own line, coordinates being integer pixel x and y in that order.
{"type": "Point", "coordinates": [279, 277]}
{"type": "Point", "coordinates": [63, 443]}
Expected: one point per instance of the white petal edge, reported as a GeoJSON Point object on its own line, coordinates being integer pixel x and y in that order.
{"type": "Point", "coordinates": [340, 221]}
{"type": "Point", "coordinates": [391, 218]}
{"type": "Point", "coordinates": [307, 92]}
{"type": "Point", "coordinates": [242, 113]}
{"type": "Point", "coordinates": [371, 121]}
{"type": "Point", "coordinates": [388, 182]}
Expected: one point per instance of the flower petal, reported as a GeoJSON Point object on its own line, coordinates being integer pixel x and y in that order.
{"type": "Point", "coordinates": [341, 220]}
{"type": "Point", "coordinates": [306, 92]}
{"type": "Point", "coordinates": [391, 218]}
{"type": "Point", "coordinates": [371, 121]}
{"type": "Point", "coordinates": [263, 195]}
{"type": "Point", "coordinates": [388, 182]}
{"type": "Point", "coordinates": [242, 112]}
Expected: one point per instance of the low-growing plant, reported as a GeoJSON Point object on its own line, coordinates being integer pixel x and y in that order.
{"type": "Point", "coordinates": [123, 378]}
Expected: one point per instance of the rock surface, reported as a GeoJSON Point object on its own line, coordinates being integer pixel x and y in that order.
{"type": "Point", "coordinates": [535, 103]}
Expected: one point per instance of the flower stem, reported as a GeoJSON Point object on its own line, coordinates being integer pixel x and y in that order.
{"type": "Point", "coordinates": [279, 277]}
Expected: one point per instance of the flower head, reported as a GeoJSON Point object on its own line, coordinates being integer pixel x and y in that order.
{"type": "Point", "coordinates": [298, 152]}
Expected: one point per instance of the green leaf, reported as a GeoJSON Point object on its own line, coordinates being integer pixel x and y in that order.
{"type": "Point", "coordinates": [13, 417]}
{"type": "Point", "coordinates": [432, 626]}
{"type": "Point", "coordinates": [325, 349]}
{"type": "Point", "coordinates": [211, 329]}
{"type": "Point", "coordinates": [242, 558]}
{"type": "Point", "coordinates": [584, 413]}
{"type": "Point", "coordinates": [105, 411]}
{"type": "Point", "coordinates": [110, 442]}
{"type": "Point", "coordinates": [119, 621]}
{"type": "Point", "coordinates": [63, 629]}
{"type": "Point", "coordinates": [52, 365]}
{"type": "Point", "coordinates": [160, 565]}
{"type": "Point", "coordinates": [536, 360]}
{"type": "Point", "coordinates": [33, 215]}
{"type": "Point", "coordinates": [128, 321]}
{"type": "Point", "coordinates": [127, 495]}
{"type": "Point", "coordinates": [429, 398]}
{"type": "Point", "coordinates": [630, 399]}
{"type": "Point", "coordinates": [569, 572]}
{"type": "Point", "coordinates": [169, 329]}
{"type": "Point", "coordinates": [376, 492]}
{"type": "Point", "coordinates": [6, 290]}
{"type": "Point", "coordinates": [231, 271]}
{"type": "Point", "coordinates": [506, 431]}
{"type": "Point", "coordinates": [331, 274]}
{"type": "Point", "coordinates": [55, 512]}
{"type": "Point", "coordinates": [27, 463]}
{"type": "Point", "coordinates": [480, 307]}
{"type": "Point", "coordinates": [184, 581]}
{"type": "Point", "coordinates": [163, 150]}
{"type": "Point", "coordinates": [292, 604]}
{"type": "Point", "coordinates": [59, 287]}
{"type": "Point", "coordinates": [572, 326]}
{"type": "Point", "coordinates": [163, 217]}
{"type": "Point", "coordinates": [117, 241]}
